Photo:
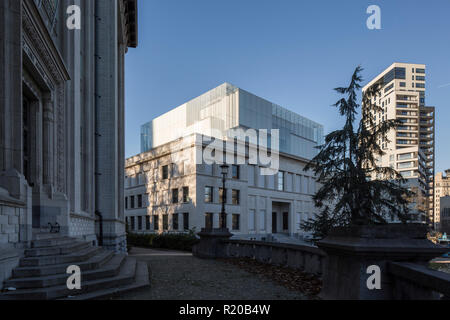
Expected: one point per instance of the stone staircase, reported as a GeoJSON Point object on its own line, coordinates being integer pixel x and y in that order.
{"type": "Point", "coordinates": [41, 274]}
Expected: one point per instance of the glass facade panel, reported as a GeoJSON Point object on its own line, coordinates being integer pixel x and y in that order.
{"type": "Point", "coordinates": [227, 107]}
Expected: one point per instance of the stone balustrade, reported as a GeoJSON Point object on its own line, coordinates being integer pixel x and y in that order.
{"type": "Point", "coordinates": [400, 252]}
{"type": "Point", "coordinates": [306, 258]}
{"type": "Point", "coordinates": [418, 282]}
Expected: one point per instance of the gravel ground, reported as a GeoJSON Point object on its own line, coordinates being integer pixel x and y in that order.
{"type": "Point", "coordinates": [180, 276]}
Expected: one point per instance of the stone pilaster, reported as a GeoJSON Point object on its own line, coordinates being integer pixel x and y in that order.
{"type": "Point", "coordinates": [48, 141]}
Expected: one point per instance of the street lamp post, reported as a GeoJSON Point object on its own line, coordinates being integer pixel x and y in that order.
{"type": "Point", "coordinates": [211, 239]}
{"type": "Point", "coordinates": [224, 178]}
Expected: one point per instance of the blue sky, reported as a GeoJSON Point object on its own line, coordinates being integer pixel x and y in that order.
{"type": "Point", "coordinates": [290, 52]}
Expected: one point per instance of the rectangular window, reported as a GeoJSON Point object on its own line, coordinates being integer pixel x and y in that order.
{"type": "Point", "coordinates": [388, 88]}
{"type": "Point", "coordinates": [236, 222]}
{"type": "Point", "coordinates": [222, 195]}
{"type": "Point", "coordinates": [186, 221]}
{"type": "Point", "coordinates": [404, 165]}
{"type": "Point", "coordinates": [420, 70]}
{"type": "Point", "coordinates": [132, 225]}
{"type": "Point", "coordinates": [156, 222]}
{"type": "Point", "coordinates": [140, 223]}
{"type": "Point", "coordinates": [403, 84]}
{"type": "Point", "coordinates": [139, 201]}
{"type": "Point", "coordinates": [132, 202]}
{"type": "Point", "coordinates": [126, 202]}
{"type": "Point", "coordinates": [147, 222]}
{"type": "Point", "coordinates": [175, 222]}
{"type": "Point", "coordinates": [208, 220]}
{"type": "Point", "coordinates": [404, 156]}
{"type": "Point", "coordinates": [280, 181]}
{"type": "Point", "coordinates": [165, 172]}
{"type": "Point", "coordinates": [236, 194]}
{"type": "Point", "coordinates": [236, 172]}
{"type": "Point", "coordinates": [420, 85]}
{"type": "Point", "coordinates": [174, 195]}
{"type": "Point", "coordinates": [420, 78]}
{"type": "Point", "coordinates": [185, 194]}
{"type": "Point", "coordinates": [165, 222]}
{"type": "Point", "coordinates": [209, 194]}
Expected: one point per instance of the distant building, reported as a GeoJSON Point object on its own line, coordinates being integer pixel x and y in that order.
{"type": "Point", "coordinates": [444, 205]}
{"type": "Point", "coordinates": [410, 147]}
{"type": "Point", "coordinates": [442, 189]}
{"type": "Point", "coordinates": [169, 190]}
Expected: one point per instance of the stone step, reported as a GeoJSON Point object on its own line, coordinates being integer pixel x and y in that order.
{"type": "Point", "coordinates": [79, 256]}
{"type": "Point", "coordinates": [109, 269]}
{"type": "Point", "coordinates": [141, 281]}
{"type": "Point", "coordinates": [45, 236]}
{"type": "Point", "coordinates": [125, 277]}
{"type": "Point", "coordinates": [57, 250]}
{"type": "Point", "coordinates": [45, 243]}
{"type": "Point", "coordinates": [94, 262]}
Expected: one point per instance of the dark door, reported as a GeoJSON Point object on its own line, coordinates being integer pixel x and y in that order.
{"type": "Point", "coordinates": [285, 221]}
{"type": "Point", "coordinates": [274, 222]}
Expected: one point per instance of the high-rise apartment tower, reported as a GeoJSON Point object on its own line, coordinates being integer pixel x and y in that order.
{"type": "Point", "coordinates": [410, 147]}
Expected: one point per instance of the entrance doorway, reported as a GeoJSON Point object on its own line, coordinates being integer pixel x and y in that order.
{"type": "Point", "coordinates": [274, 222]}
{"type": "Point", "coordinates": [280, 217]}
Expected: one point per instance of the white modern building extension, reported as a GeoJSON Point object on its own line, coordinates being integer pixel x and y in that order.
{"type": "Point", "coordinates": [170, 187]}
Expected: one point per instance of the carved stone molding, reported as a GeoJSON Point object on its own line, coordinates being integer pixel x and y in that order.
{"type": "Point", "coordinates": [40, 49]}
{"type": "Point", "coordinates": [61, 131]}
{"type": "Point", "coordinates": [42, 43]}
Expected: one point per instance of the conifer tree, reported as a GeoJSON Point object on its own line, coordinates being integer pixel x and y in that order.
{"type": "Point", "coordinates": [354, 189]}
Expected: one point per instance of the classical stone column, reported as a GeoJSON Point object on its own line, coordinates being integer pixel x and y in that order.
{"type": "Point", "coordinates": [48, 140]}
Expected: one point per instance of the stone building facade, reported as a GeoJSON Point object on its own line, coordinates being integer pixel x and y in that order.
{"type": "Point", "coordinates": [163, 195]}
{"type": "Point", "coordinates": [170, 187]}
{"type": "Point", "coordinates": [444, 207]}
{"type": "Point", "coordinates": [442, 190]}
{"type": "Point", "coordinates": [62, 119]}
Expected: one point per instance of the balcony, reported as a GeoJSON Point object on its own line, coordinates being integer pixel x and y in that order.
{"type": "Point", "coordinates": [424, 129]}
{"type": "Point", "coordinates": [426, 123]}
{"type": "Point", "coordinates": [406, 142]}
{"type": "Point", "coordinates": [407, 114]}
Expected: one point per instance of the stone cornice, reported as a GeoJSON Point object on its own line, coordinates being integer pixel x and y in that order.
{"type": "Point", "coordinates": [41, 41]}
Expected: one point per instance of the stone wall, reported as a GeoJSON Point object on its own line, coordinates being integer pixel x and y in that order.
{"type": "Point", "coordinates": [306, 258]}
{"type": "Point", "coordinates": [15, 220]}
{"type": "Point", "coordinates": [9, 222]}
{"type": "Point", "coordinates": [82, 227]}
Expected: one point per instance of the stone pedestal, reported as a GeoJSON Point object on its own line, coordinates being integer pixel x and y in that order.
{"type": "Point", "coordinates": [210, 246]}
{"type": "Point", "coordinates": [351, 251]}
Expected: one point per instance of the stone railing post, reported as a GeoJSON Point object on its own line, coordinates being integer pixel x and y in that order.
{"type": "Point", "coordinates": [211, 244]}
{"type": "Point", "coordinates": [355, 254]}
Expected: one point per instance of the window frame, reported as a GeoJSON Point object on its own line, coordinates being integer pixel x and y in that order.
{"type": "Point", "coordinates": [236, 222]}
{"type": "Point", "coordinates": [235, 197]}
{"type": "Point", "coordinates": [175, 196]}
{"type": "Point", "coordinates": [236, 176]}
{"type": "Point", "coordinates": [186, 221]}
{"type": "Point", "coordinates": [210, 193]}
{"type": "Point", "coordinates": [165, 172]}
